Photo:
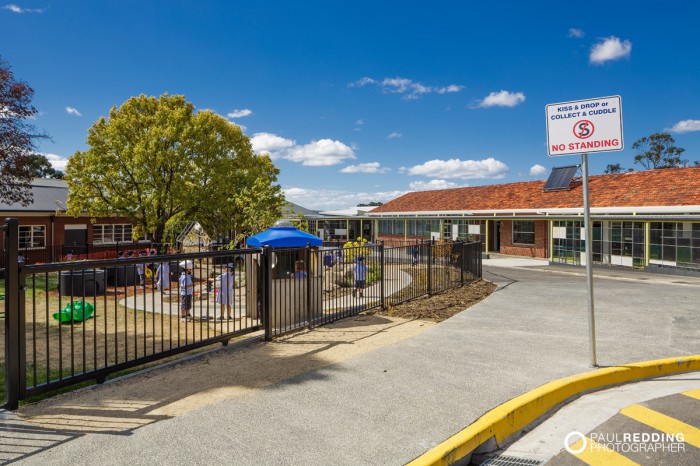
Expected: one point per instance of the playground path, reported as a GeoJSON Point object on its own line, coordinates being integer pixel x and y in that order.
{"type": "Point", "coordinates": [169, 303]}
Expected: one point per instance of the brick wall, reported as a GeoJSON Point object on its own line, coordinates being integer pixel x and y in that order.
{"type": "Point", "coordinates": [540, 249]}
{"type": "Point", "coordinates": [56, 252]}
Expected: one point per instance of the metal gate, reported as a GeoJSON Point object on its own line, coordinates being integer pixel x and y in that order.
{"type": "Point", "coordinates": [71, 321]}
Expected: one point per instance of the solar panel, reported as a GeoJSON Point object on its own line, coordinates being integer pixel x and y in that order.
{"type": "Point", "coordinates": [560, 178]}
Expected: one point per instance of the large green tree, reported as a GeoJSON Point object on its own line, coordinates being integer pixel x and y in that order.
{"type": "Point", "coordinates": [158, 162]}
{"type": "Point", "coordinates": [41, 167]}
{"type": "Point", "coordinates": [658, 151]}
{"type": "Point", "coordinates": [18, 137]}
{"type": "Point", "coordinates": [616, 168]}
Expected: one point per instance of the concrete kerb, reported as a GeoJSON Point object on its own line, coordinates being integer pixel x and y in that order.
{"type": "Point", "coordinates": [494, 428]}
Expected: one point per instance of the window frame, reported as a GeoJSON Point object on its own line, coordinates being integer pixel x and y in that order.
{"type": "Point", "coordinates": [31, 237]}
{"type": "Point", "coordinates": [124, 237]}
{"type": "Point", "coordinates": [514, 233]}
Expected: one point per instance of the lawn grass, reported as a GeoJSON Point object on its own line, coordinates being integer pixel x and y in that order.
{"type": "Point", "coordinates": [115, 334]}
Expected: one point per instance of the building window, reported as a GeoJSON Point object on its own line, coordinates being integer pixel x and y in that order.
{"type": "Point", "coordinates": [32, 236]}
{"type": "Point", "coordinates": [106, 234]}
{"type": "Point", "coordinates": [524, 232]}
{"type": "Point", "coordinates": [675, 244]}
{"type": "Point", "coordinates": [569, 242]}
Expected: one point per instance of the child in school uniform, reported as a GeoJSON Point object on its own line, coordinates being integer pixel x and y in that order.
{"type": "Point", "coordinates": [360, 270]}
{"type": "Point", "coordinates": [141, 271]}
{"type": "Point", "coordinates": [163, 276]}
{"type": "Point", "coordinates": [225, 295]}
{"type": "Point", "coordinates": [186, 292]}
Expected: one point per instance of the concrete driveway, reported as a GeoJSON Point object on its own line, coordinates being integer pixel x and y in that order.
{"type": "Point", "coordinates": [390, 405]}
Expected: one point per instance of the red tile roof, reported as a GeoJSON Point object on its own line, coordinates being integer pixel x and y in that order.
{"type": "Point", "coordinates": [662, 187]}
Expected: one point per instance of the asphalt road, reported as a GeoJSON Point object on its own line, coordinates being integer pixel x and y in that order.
{"type": "Point", "coordinates": [391, 405]}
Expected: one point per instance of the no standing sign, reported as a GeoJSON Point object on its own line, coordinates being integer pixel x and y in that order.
{"type": "Point", "coordinates": [584, 126]}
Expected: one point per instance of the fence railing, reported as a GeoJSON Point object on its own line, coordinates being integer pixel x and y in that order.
{"type": "Point", "coordinates": [66, 252]}
{"type": "Point", "coordinates": [67, 322]}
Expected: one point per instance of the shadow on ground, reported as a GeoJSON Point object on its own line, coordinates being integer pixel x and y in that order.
{"type": "Point", "coordinates": [124, 405]}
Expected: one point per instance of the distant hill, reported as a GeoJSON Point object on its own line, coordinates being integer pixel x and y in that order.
{"type": "Point", "coordinates": [294, 210]}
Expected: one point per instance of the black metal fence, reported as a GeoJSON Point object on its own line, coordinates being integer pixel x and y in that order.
{"type": "Point", "coordinates": [68, 252]}
{"type": "Point", "coordinates": [67, 322]}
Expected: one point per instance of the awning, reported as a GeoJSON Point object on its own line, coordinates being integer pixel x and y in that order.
{"type": "Point", "coordinates": [283, 237]}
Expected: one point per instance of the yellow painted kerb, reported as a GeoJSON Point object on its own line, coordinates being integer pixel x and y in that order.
{"type": "Point", "coordinates": [512, 416]}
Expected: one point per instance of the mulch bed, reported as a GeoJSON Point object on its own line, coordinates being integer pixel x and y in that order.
{"type": "Point", "coordinates": [441, 306]}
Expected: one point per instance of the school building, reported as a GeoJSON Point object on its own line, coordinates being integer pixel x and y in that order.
{"type": "Point", "coordinates": [47, 233]}
{"type": "Point", "coordinates": [648, 219]}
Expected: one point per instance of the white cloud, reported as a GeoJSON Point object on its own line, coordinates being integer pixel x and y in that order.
{"type": "Point", "coordinates": [610, 49]}
{"type": "Point", "coordinates": [452, 88]}
{"type": "Point", "coordinates": [394, 135]}
{"type": "Point", "coordinates": [537, 170]}
{"type": "Point", "coordinates": [434, 184]}
{"type": "Point", "coordinates": [321, 153]}
{"type": "Point", "coordinates": [360, 122]}
{"type": "Point", "coordinates": [408, 88]}
{"type": "Point", "coordinates": [57, 162]}
{"type": "Point", "coordinates": [240, 113]}
{"type": "Point", "coordinates": [270, 143]}
{"type": "Point", "coordinates": [73, 111]}
{"type": "Point", "coordinates": [371, 167]}
{"type": "Point", "coordinates": [330, 199]}
{"type": "Point", "coordinates": [459, 169]}
{"type": "Point", "coordinates": [685, 126]}
{"type": "Point", "coordinates": [362, 82]}
{"type": "Point", "coordinates": [502, 99]}
{"type": "Point", "coordinates": [19, 10]}
{"type": "Point", "coordinates": [576, 33]}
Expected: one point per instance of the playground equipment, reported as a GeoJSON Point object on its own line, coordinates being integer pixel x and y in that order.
{"type": "Point", "coordinates": [78, 312]}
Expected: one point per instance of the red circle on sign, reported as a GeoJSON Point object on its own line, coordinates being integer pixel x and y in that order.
{"type": "Point", "coordinates": [583, 129]}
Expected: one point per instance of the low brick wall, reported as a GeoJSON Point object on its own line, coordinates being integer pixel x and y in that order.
{"type": "Point", "coordinates": [538, 250]}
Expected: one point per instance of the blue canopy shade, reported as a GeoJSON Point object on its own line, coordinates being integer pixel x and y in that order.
{"type": "Point", "coordinates": [283, 237]}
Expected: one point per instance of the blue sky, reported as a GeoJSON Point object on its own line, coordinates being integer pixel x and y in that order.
{"type": "Point", "coordinates": [366, 100]}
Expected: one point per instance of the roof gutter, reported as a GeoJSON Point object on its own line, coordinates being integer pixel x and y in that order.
{"type": "Point", "coordinates": [641, 210]}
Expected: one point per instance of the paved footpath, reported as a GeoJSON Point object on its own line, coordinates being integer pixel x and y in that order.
{"type": "Point", "coordinates": [391, 405]}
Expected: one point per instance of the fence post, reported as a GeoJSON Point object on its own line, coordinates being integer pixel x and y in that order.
{"type": "Point", "coordinates": [266, 291]}
{"type": "Point", "coordinates": [479, 262]}
{"type": "Point", "coordinates": [307, 266]}
{"type": "Point", "coordinates": [15, 371]}
{"type": "Point", "coordinates": [461, 265]}
{"type": "Point", "coordinates": [430, 267]}
{"type": "Point", "coordinates": [382, 290]}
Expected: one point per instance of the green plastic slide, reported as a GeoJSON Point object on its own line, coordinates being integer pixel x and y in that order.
{"type": "Point", "coordinates": [81, 311]}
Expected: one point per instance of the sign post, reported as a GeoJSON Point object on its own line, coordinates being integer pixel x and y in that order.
{"type": "Point", "coordinates": [581, 127]}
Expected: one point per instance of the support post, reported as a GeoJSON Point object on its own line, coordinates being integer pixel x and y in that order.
{"type": "Point", "coordinates": [266, 291]}
{"type": "Point", "coordinates": [307, 259]}
{"type": "Point", "coordinates": [589, 262]}
{"type": "Point", "coordinates": [647, 243]}
{"type": "Point", "coordinates": [461, 265]}
{"type": "Point", "coordinates": [15, 370]}
{"type": "Point", "coordinates": [430, 267]}
{"type": "Point", "coordinates": [486, 237]}
{"type": "Point", "coordinates": [479, 263]}
{"type": "Point", "coordinates": [551, 240]}
{"type": "Point", "coordinates": [382, 277]}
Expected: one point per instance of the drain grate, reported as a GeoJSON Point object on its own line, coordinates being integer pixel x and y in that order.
{"type": "Point", "coordinates": [510, 461]}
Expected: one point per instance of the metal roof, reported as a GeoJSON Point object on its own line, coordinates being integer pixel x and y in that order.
{"type": "Point", "coordinates": [49, 196]}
